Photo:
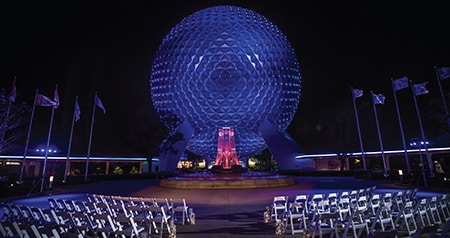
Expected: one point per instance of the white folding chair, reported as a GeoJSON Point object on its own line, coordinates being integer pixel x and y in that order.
{"type": "Point", "coordinates": [297, 218]}
{"type": "Point", "coordinates": [39, 217]}
{"type": "Point", "coordinates": [383, 218]}
{"type": "Point", "coordinates": [118, 209]}
{"type": "Point", "coordinates": [179, 205]}
{"type": "Point", "coordinates": [324, 223]}
{"type": "Point", "coordinates": [398, 199]}
{"type": "Point", "coordinates": [406, 218]}
{"type": "Point", "coordinates": [444, 207]}
{"type": "Point", "coordinates": [156, 220]}
{"type": "Point", "coordinates": [357, 223]}
{"type": "Point", "coordinates": [83, 224]}
{"type": "Point", "coordinates": [137, 213]}
{"type": "Point", "coordinates": [421, 212]}
{"type": "Point", "coordinates": [103, 208]}
{"type": "Point", "coordinates": [279, 208]}
{"type": "Point", "coordinates": [104, 225]}
{"type": "Point", "coordinates": [316, 203]}
{"type": "Point", "coordinates": [433, 206]}
{"type": "Point", "coordinates": [332, 200]}
{"type": "Point", "coordinates": [56, 205]}
{"type": "Point", "coordinates": [375, 202]}
{"type": "Point", "coordinates": [127, 227]}
{"type": "Point", "coordinates": [344, 209]}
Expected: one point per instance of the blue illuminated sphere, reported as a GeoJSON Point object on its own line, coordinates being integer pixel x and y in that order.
{"type": "Point", "coordinates": [225, 66]}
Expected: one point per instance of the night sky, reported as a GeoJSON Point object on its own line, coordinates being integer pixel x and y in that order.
{"type": "Point", "coordinates": [109, 47]}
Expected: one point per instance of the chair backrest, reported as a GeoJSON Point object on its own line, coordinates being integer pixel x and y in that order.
{"type": "Point", "coordinates": [375, 202]}
{"type": "Point", "coordinates": [303, 200]}
{"type": "Point", "coordinates": [344, 195]}
{"type": "Point", "coordinates": [362, 203]}
{"type": "Point", "coordinates": [280, 201]}
{"type": "Point", "coordinates": [297, 208]}
{"type": "Point", "coordinates": [315, 202]}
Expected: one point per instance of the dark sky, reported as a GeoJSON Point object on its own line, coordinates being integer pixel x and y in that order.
{"type": "Point", "coordinates": [109, 47]}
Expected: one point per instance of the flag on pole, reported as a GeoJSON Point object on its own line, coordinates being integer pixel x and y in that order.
{"type": "Point", "coordinates": [444, 72]}
{"type": "Point", "coordinates": [400, 83]}
{"type": "Point", "coordinates": [56, 98]}
{"type": "Point", "coordinates": [77, 111]}
{"type": "Point", "coordinates": [13, 94]}
{"type": "Point", "coordinates": [357, 93]}
{"type": "Point", "coordinates": [44, 101]}
{"type": "Point", "coordinates": [419, 89]}
{"type": "Point", "coordinates": [99, 103]}
{"type": "Point", "coordinates": [378, 98]}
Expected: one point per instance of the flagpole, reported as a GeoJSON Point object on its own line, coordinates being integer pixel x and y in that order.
{"type": "Point", "coordinates": [359, 132]}
{"type": "Point", "coordinates": [90, 140]}
{"type": "Point", "coordinates": [70, 142]}
{"type": "Point", "coordinates": [438, 77]}
{"type": "Point", "coordinates": [28, 137]}
{"type": "Point", "coordinates": [46, 148]}
{"type": "Point", "coordinates": [379, 135]}
{"type": "Point", "coordinates": [423, 135]}
{"type": "Point", "coordinates": [408, 166]}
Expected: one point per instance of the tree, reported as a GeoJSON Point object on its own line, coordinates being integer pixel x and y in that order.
{"type": "Point", "coordinates": [13, 122]}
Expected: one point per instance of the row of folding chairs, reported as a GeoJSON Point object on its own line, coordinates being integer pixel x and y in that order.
{"type": "Point", "coordinates": [316, 201]}
{"type": "Point", "coordinates": [26, 221]}
{"type": "Point", "coordinates": [145, 216]}
{"type": "Point", "coordinates": [20, 221]}
{"type": "Point", "coordinates": [85, 219]}
{"type": "Point", "coordinates": [173, 206]}
{"type": "Point", "coordinates": [364, 210]}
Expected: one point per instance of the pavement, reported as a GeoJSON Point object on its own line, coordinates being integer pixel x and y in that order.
{"type": "Point", "coordinates": [221, 213]}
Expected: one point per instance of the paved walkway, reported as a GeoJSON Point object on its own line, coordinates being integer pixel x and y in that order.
{"type": "Point", "coordinates": [221, 212]}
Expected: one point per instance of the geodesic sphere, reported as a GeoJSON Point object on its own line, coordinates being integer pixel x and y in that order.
{"type": "Point", "coordinates": [225, 66]}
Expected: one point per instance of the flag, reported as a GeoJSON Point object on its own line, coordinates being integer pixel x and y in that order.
{"type": "Point", "coordinates": [76, 110]}
{"type": "Point", "coordinates": [44, 101]}
{"type": "Point", "coordinates": [419, 89]}
{"type": "Point", "coordinates": [13, 94]}
{"type": "Point", "coordinates": [56, 98]}
{"type": "Point", "coordinates": [400, 83]}
{"type": "Point", "coordinates": [99, 103]}
{"type": "Point", "coordinates": [444, 72]}
{"type": "Point", "coordinates": [357, 93]}
{"type": "Point", "coordinates": [378, 98]}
